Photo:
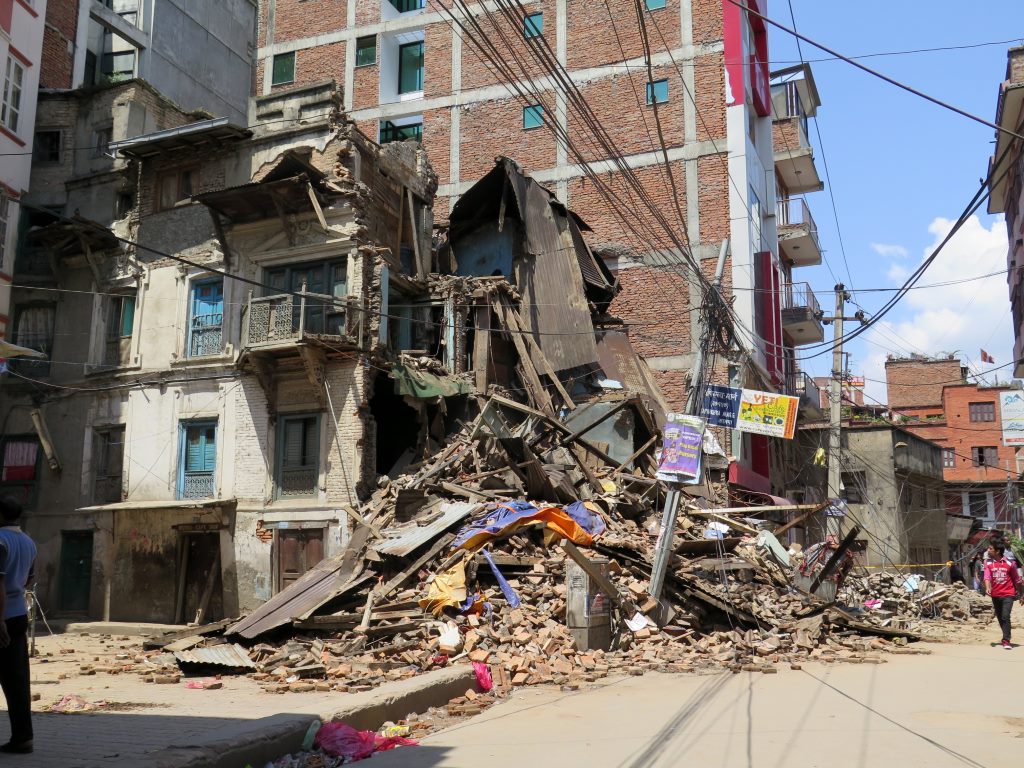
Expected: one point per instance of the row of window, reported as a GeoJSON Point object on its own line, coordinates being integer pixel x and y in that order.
{"type": "Point", "coordinates": [10, 98]}
{"type": "Point", "coordinates": [296, 466]}
{"type": "Point", "coordinates": [981, 456]}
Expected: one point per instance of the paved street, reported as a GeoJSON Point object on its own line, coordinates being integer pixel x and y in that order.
{"type": "Point", "coordinates": [932, 711]}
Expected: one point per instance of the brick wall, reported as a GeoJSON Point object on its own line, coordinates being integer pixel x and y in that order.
{"type": "Point", "coordinates": [491, 129]}
{"type": "Point", "coordinates": [366, 86]}
{"type": "Point", "coordinates": [709, 87]}
{"type": "Point", "coordinates": [919, 382]}
{"type": "Point", "coordinates": [707, 21]}
{"type": "Point", "coordinates": [962, 434]}
{"type": "Point", "coordinates": [436, 133]}
{"type": "Point", "coordinates": [58, 55]}
{"type": "Point", "coordinates": [620, 34]}
{"type": "Point", "coordinates": [653, 331]}
{"type": "Point", "coordinates": [296, 19]}
{"type": "Point", "coordinates": [507, 37]}
{"type": "Point", "coordinates": [315, 64]}
{"type": "Point", "coordinates": [786, 134]}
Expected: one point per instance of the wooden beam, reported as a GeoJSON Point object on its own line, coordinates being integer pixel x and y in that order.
{"type": "Point", "coordinates": [814, 509]}
{"type": "Point", "coordinates": [317, 209]}
{"type": "Point", "coordinates": [422, 269]}
{"type": "Point", "coordinates": [531, 378]}
{"type": "Point", "coordinates": [400, 578]}
{"type": "Point", "coordinates": [641, 450]}
{"type": "Point", "coordinates": [531, 343]}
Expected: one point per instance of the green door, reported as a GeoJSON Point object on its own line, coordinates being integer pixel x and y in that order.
{"type": "Point", "coordinates": [75, 570]}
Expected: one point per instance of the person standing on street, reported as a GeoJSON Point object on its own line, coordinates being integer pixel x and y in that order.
{"type": "Point", "coordinates": [1002, 584]}
{"type": "Point", "coordinates": [17, 559]}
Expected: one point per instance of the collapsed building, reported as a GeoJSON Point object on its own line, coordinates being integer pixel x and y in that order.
{"type": "Point", "coordinates": [268, 330]}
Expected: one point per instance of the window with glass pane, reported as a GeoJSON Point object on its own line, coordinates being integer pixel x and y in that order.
{"type": "Point", "coordinates": [19, 467]}
{"type": "Point", "coordinates": [391, 132]}
{"type": "Point", "coordinates": [533, 116]}
{"type": "Point", "coordinates": [108, 464]}
{"type": "Point", "coordinates": [948, 458]}
{"type": "Point", "coordinates": [410, 67]}
{"type": "Point", "coordinates": [985, 456]}
{"type": "Point", "coordinates": [33, 328]}
{"type": "Point", "coordinates": [283, 68]}
{"type": "Point", "coordinates": [206, 318]}
{"type": "Point", "coordinates": [198, 459]}
{"type": "Point", "coordinates": [657, 92]}
{"type": "Point", "coordinates": [366, 51]}
{"type": "Point", "coordinates": [10, 104]}
{"type": "Point", "coordinates": [982, 411]}
{"type": "Point", "coordinates": [120, 324]}
{"type": "Point", "coordinates": [653, 5]}
{"type": "Point", "coordinates": [533, 25]}
{"type": "Point", "coordinates": [405, 6]}
{"type": "Point", "coordinates": [298, 456]}
{"type": "Point", "coordinates": [325, 285]}
{"type": "Point", "coordinates": [118, 66]}
{"type": "Point", "coordinates": [46, 147]}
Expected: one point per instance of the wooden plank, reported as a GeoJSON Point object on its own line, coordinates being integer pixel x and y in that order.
{"type": "Point", "coordinates": [531, 378]}
{"type": "Point", "coordinates": [815, 508]}
{"type": "Point", "coordinates": [638, 452]}
{"type": "Point", "coordinates": [482, 344]}
{"type": "Point", "coordinates": [400, 578]}
{"type": "Point", "coordinates": [514, 320]}
{"type": "Point", "coordinates": [204, 601]}
{"type": "Point", "coordinates": [422, 269]}
{"type": "Point", "coordinates": [316, 207]}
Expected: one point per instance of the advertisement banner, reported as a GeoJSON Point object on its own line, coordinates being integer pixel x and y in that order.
{"type": "Point", "coordinates": [765, 413]}
{"type": "Point", "coordinates": [1011, 412]}
{"type": "Point", "coordinates": [721, 406]}
{"type": "Point", "coordinates": [681, 449]}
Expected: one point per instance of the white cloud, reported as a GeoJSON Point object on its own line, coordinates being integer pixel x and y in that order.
{"type": "Point", "coordinates": [959, 318]}
{"type": "Point", "coordinates": [890, 251]}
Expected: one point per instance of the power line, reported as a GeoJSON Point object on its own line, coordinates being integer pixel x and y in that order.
{"type": "Point", "coordinates": [876, 73]}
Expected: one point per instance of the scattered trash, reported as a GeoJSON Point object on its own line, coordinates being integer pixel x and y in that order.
{"type": "Point", "coordinates": [72, 703]}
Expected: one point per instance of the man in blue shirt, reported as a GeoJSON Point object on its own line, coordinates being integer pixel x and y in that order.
{"type": "Point", "coordinates": [17, 559]}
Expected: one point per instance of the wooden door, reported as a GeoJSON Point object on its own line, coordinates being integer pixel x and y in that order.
{"type": "Point", "coordinates": [297, 552]}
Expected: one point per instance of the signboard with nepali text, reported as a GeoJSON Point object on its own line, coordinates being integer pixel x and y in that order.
{"type": "Point", "coordinates": [749, 410]}
{"type": "Point", "coordinates": [1011, 413]}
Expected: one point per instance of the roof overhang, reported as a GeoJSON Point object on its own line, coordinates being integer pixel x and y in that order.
{"type": "Point", "coordinates": [204, 134]}
{"type": "Point", "coordinates": [70, 237]}
{"type": "Point", "coordinates": [172, 504]}
{"type": "Point", "coordinates": [797, 169]}
{"type": "Point", "coordinates": [260, 200]}
{"type": "Point", "coordinates": [1008, 113]}
{"type": "Point", "coordinates": [802, 78]}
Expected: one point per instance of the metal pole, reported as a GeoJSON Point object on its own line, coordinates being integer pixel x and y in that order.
{"type": "Point", "coordinates": [671, 511]}
{"type": "Point", "coordinates": [834, 524]}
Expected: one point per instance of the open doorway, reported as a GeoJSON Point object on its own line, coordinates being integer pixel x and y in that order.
{"type": "Point", "coordinates": [200, 594]}
{"type": "Point", "coordinates": [398, 424]}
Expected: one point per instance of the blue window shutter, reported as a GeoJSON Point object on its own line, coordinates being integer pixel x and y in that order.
{"type": "Point", "coordinates": [127, 315]}
{"type": "Point", "coordinates": [209, 448]}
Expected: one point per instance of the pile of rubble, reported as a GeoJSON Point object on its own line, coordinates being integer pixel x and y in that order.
{"type": "Point", "coordinates": [898, 597]}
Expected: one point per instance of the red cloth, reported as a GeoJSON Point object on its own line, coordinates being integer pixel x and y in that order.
{"type": "Point", "coordinates": [1003, 577]}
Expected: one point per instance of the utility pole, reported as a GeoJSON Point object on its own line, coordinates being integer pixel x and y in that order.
{"type": "Point", "coordinates": [835, 414]}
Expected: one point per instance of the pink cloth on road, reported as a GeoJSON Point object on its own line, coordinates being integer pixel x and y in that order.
{"type": "Point", "coordinates": [1003, 576]}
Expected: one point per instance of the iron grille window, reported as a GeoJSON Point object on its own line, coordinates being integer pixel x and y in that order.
{"type": "Point", "coordinates": [283, 69]}
{"type": "Point", "coordinates": [657, 92]}
{"type": "Point", "coordinates": [948, 458]}
{"type": "Point", "coordinates": [391, 132]}
{"type": "Point", "coordinates": [298, 456]}
{"type": "Point", "coordinates": [366, 51]}
{"type": "Point", "coordinates": [198, 459]}
{"type": "Point", "coordinates": [977, 504]}
{"type": "Point", "coordinates": [985, 456]}
{"type": "Point", "coordinates": [206, 318]}
{"type": "Point", "coordinates": [982, 411]}
{"type": "Point", "coordinates": [108, 460]}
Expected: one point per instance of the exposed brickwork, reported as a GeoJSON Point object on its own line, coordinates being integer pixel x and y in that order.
{"type": "Point", "coordinates": [296, 19]}
{"type": "Point", "coordinates": [786, 134]}
{"type": "Point", "coordinates": [367, 12]}
{"type": "Point", "coordinates": [366, 86]}
{"type": "Point", "coordinates": [437, 47]}
{"type": "Point", "coordinates": [620, 36]}
{"type": "Point", "coordinates": [488, 130]}
{"type": "Point", "coordinates": [709, 84]}
{"type": "Point", "coordinates": [707, 21]}
{"type": "Point", "coordinates": [607, 228]}
{"type": "Point", "coordinates": [609, 97]}
{"type": "Point", "coordinates": [673, 385]}
{"type": "Point", "coordinates": [315, 64]}
{"type": "Point", "coordinates": [714, 195]}
{"type": "Point", "coordinates": [653, 331]}
{"type": "Point", "coordinates": [436, 130]}
{"type": "Point", "coordinates": [912, 382]}
{"type": "Point", "coordinates": [58, 56]}
{"type": "Point", "coordinates": [511, 47]}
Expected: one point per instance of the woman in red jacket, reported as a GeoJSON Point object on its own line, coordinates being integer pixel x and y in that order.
{"type": "Point", "coordinates": [1002, 584]}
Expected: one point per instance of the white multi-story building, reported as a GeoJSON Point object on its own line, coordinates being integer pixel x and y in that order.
{"type": "Point", "coordinates": [21, 42]}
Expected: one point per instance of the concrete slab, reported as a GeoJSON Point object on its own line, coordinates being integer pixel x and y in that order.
{"type": "Point", "coordinates": [116, 628]}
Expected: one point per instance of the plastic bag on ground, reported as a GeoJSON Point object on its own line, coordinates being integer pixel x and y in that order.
{"type": "Point", "coordinates": [483, 676]}
{"type": "Point", "coordinates": [342, 740]}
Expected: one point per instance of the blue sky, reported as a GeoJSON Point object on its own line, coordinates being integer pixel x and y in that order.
{"type": "Point", "coordinates": [903, 169]}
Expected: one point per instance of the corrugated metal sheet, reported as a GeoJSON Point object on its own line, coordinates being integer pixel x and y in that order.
{"type": "Point", "coordinates": [324, 581]}
{"type": "Point", "coordinates": [224, 655]}
{"type": "Point", "coordinates": [403, 539]}
{"type": "Point", "coordinates": [620, 362]}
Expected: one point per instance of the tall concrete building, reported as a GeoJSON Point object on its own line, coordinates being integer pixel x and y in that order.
{"type": "Point", "coordinates": [1007, 188]}
{"type": "Point", "coordinates": [21, 41]}
{"type": "Point", "coordinates": [673, 110]}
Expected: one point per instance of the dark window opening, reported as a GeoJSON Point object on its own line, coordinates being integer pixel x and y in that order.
{"type": "Point", "coordinates": [391, 132]}
{"type": "Point", "coordinates": [366, 51]}
{"type": "Point", "coordinates": [397, 424]}
{"type": "Point", "coordinates": [20, 459]}
{"type": "Point", "coordinates": [854, 487]}
{"type": "Point", "coordinates": [985, 456]}
{"type": "Point", "coordinates": [46, 148]}
{"type": "Point", "coordinates": [108, 463]}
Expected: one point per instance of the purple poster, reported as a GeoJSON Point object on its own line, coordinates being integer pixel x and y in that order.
{"type": "Point", "coordinates": [681, 449]}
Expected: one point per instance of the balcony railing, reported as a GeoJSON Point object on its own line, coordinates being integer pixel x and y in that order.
{"type": "Point", "coordinates": [799, 384]}
{"type": "Point", "coordinates": [282, 318]}
{"type": "Point", "coordinates": [197, 485]}
{"type": "Point", "coordinates": [799, 296]}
